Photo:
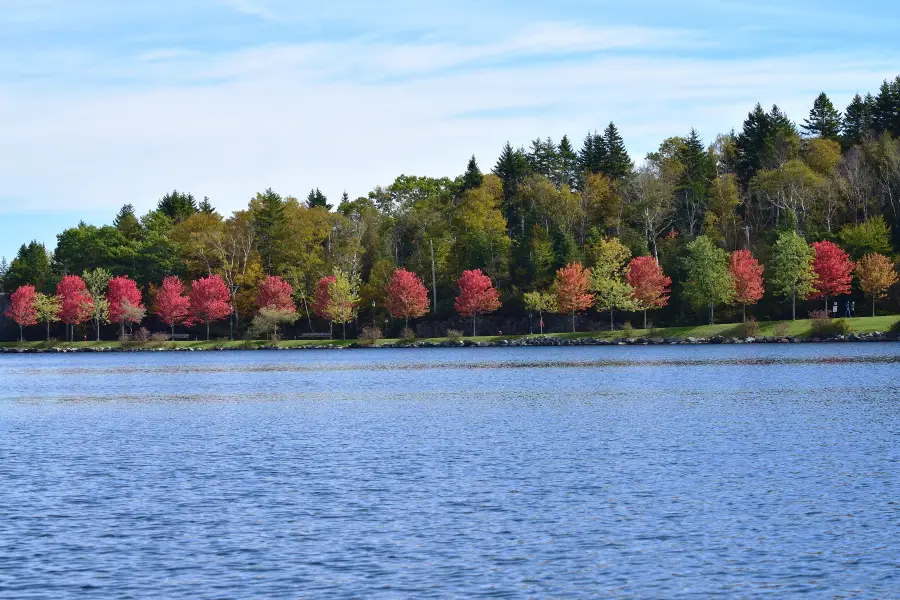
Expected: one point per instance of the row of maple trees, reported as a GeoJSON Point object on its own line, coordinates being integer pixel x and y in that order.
{"type": "Point", "coordinates": [638, 285]}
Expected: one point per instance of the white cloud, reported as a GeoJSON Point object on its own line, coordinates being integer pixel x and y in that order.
{"type": "Point", "coordinates": [353, 115]}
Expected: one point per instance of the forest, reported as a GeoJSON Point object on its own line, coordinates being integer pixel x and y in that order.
{"type": "Point", "coordinates": [766, 221]}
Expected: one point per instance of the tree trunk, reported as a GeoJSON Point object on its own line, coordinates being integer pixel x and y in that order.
{"type": "Point", "coordinates": [97, 323]}
{"type": "Point", "coordinates": [122, 330]}
{"type": "Point", "coordinates": [21, 334]}
{"type": "Point", "coordinates": [573, 321]}
{"type": "Point", "coordinates": [873, 306]}
{"type": "Point", "coordinates": [612, 323]}
{"type": "Point", "coordinates": [48, 331]}
{"type": "Point", "coordinates": [744, 312]}
{"type": "Point", "coordinates": [794, 306]}
{"type": "Point", "coordinates": [173, 333]}
{"type": "Point", "coordinates": [207, 330]}
{"type": "Point", "coordinates": [344, 332]}
{"type": "Point", "coordinates": [645, 319]}
{"type": "Point", "coordinates": [473, 325]}
{"type": "Point", "coordinates": [712, 317]}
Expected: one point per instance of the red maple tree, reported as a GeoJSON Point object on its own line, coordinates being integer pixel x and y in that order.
{"type": "Point", "coordinates": [171, 305]}
{"type": "Point", "coordinates": [477, 296]}
{"type": "Point", "coordinates": [323, 299]}
{"type": "Point", "coordinates": [275, 293]}
{"type": "Point", "coordinates": [650, 287]}
{"type": "Point", "coordinates": [75, 302]}
{"type": "Point", "coordinates": [21, 308]}
{"type": "Point", "coordinates": [748, 280]}
{"type": "Point", "coordinates": [125, 302]}
{"type": "Point", "coordinates": [210, 300]}
{"type": "Point", "coordinates": [572, 287]}
{"type": "Point", "coordinates": [834, 271]}
{"type": "Point", "coordinates": [406, 296]}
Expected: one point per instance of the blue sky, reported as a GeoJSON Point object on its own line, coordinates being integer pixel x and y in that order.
{"type": "Point", "coordinates": [107, 102]}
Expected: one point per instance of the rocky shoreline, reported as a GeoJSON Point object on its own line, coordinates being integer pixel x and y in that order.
{"type": "Point", "coordinates": [536, 341]}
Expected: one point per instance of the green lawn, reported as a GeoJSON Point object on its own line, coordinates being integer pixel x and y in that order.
{"type": "Point", "coordinates": [794, 328]}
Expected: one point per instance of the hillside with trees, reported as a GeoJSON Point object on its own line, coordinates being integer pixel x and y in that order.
{"type": "Point", "coordinates": [770, 219]}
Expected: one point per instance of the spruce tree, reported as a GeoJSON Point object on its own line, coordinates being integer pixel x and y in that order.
{"type": "Point", "coordinates": [824, 120]}
{"type": "Point", "coordinates": [592, 153]}
{"type": "Point", "coordinates": [857, 121]}
{"type": "Point", "coordinates": [177, 206]}
{"type": "Point", "coordinates": [886, 109]}
{"type": "Point", "coordinates": [127, 222]}
{"type": "Point", "coordinates": [567, 164]}
{"type": "Point", "coordinates": [694, 182]}
{"type": "Point", "coordinates": [512, 167]}
{"type": "Point", "coordinates": [317, 198]}
{"type": "Point", "coordinates": [616, 163]}
{"type": "Point", "coordinates": [473, 177]}
{"type": "Point", "coordinates": [268, 218]}
{"type": "Point", "coordinates": [206, 206]}
{"type": "Point", "coordinates": [32, 265]}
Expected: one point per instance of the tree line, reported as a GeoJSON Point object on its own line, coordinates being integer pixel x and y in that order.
{"type": "Point", "coordinates": [546, 216]}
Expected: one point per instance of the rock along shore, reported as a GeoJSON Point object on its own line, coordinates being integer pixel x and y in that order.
{"type": "Point", "coordinates": [521, 342]}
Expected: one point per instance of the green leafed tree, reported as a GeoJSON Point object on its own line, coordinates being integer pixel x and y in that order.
{"type": "Point", "coordinates": [31, 266]}
{"type": "Point", "coordinates": [792, 268]}
{"type": "Point", "coordinates": [608, 258]}
{"type": "Point", "coordinates": [709, 280]}
{"type": "Point", "coordinates": [540, 303]}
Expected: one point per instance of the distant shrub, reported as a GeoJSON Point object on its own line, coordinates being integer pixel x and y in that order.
{"type": "Point", "coordinates": [407, 336]}
{"type": "Point", "coordinates": [141, 335]}
{"type": "Point", "coordinates": [824, 326]}
{"type": "Point", "coordinates": [627, 329]}
{"type": "Point", "coordinates": [454, 335]}
{"type": "Point", "coordinates": [160, 336]}
{"type": "Point", "coordinates": [369, 336]}
{"type": "Point", "coordinates": [651, 329]}
{"type": "Point", "coordinates": [782, 329]}
{"type": "Point", "coordinates": [749, 329]}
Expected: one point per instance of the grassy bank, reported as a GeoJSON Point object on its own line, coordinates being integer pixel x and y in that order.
{"type": "Point", "coordinates": [798, 328]}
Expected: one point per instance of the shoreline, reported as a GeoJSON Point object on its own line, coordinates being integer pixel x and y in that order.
{"type": "Point", "coordinates": [523, 342]}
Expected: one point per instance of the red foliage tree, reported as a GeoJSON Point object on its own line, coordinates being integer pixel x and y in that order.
{"type": "Point", "coordinates": [406, 296]}
{"type": "Point", "coordinates": [748, 280]}
{"type": "Point", "coordinates": [125, 302]}
{"type": "Point", "coordinates": [21, 308]}
{"type": "Point", "coordinates": [171, 305]}
{"type": "Point", "coordinates": [572, 287]}
{"type": "Point", "coordinates": [834, 271]}
{"type": "Point", "coordinates": [210, 300]}
{"type": "Point", "coordinates": [650, 287]}
{"type": "Point", "coordinates": [323, 299]}
{"type": "Point", "coordinates": [275, 293]}
{"type": "Point", "coordinates": [75, 302]}
{"type": "Point", "coordinates": [477, 296]}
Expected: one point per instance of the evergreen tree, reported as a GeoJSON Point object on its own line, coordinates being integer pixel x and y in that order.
{"type": "Point", "coordinates": [543, 157]}
{"type": "Point", "coordinates": [886, 108]}
{"type": "Point", "coordinates": [4, 269]}
{"type": "Point", "coordinates": [567, 164]}
{"type": "Point", "coordinates": [268, 219]}
{"type": "Point", "coordinates": [472, 177]}
{"type": "Point", "coordinates": [206, 206]}
{"type": "Point", "coordinates": [31, 266]}
{"type": "Point", "coordinates": [317, 198]}
{"type": "Point", "coordinates": [767, 140]}
{"type": "Point", "coordinates": [512, 168]}
{"type": "Point", "coordinates": [592, 153]}
{"type": "Point", "coordinates": [177, 206]}
{"type": "Point", "coordinates": [616, 163]}
{"type": "Point", "coordinates": [127, 223]}
{"type": "Point", "coordinates": [857, 120]}
{"type": "Point", "coordinates": [824, 120]}
{"type": "Point", "coordinates": [694, 182]}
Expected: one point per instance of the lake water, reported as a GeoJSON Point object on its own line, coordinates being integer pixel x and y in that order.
{"type": "Point", "coordinates": [610, 472]}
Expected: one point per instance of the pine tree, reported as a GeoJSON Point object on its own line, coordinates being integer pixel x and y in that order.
{"type": "Point", "coordinates": [857, 120]}
{"type": "Point", "coordinates": [543, 157]}
{"type": "Point", "coordinates": [695, 180]}
{"type": "Point", "coordinates": [592, 153]}
{"type": "Point", "coordinates": [566, 172]}
{"type": "Point", "coordinates": [616, 163]}
{"type": "Point", "coordinates": [177, 206]}
{"type": "Point", "coordinates": [127, 223]}
{"type": "Point", "coordinates": [512, 167]}
{"type": "Point", "coordinates": [473, 177]}
{"type": "Point", "coordinates": [206, 207]}
{"type": "Point", "coordinates": [268, 219]}
{"type": "Point", "coordinates": [317, 198]}
{"type": "Point", "coordinates": [824, 120]}
{"type": "Point", "coordinates": [886, 109]}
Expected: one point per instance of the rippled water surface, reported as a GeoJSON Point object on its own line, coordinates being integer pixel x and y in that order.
{"type": "Point", "coordinates": [609, 472]}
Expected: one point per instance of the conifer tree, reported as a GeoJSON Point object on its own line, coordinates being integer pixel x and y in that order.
{"type": "Point", "coordinates": [566, 172]}
{"type": "Point", "coordinates": [824, 120]}
{"type": "Point", "coordinates": [268, 218]}
{"type": "Point", "coordinates": [857, 120]}
{"type": "Point", "coordinates": [177, 206]}
{"type": "Point", "coordinates": [473, 177]}
{"type": "Point", "coordinates": [886, 108]}
{"type": "Point", "coordinates": [126, 222]}
{"type": "Point", "coordinates": [592, 153]}
{"type": "Point", "coordinates": [206, 206]}
{"type": "Point", "coordinates": [616, 164]}
{"type": "Point", "coordinates": [317, 198]}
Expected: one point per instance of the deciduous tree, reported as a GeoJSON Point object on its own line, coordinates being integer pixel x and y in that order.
{"type": "Point", "coordinates": [708, 280]}
{"type": "Point", "coordinates": [746, 272]}
{"type": "Point", "coordinates": [209, 300]}
{"type": "Point", "coordinates": [96, 281]}
{"type": "Point", "coordinates": [876, 275]}
{"type": "Point", "coordinates": [477, 296]}
{"type": "Point", "coordinates": [46, 310]}
{"type": "Point", "coordinates": [572, 287]}
{"type": "Point", "coordinates": [406, 296]}
{"type": "Point", "coordinates": [125, 302]}
{"type": "Point", "coordinates": [21, 308]}
{"type": "Point", "coordinates": [343, 299]}
{"type": "Point", "coordinates": [650, 286]}
{"type": "Point", "coordinates": [609, 259]}
{"type": "Point", "coordinates": [75, 303]}
{"type": "Point", "coordinates": [275, 293]}
{"type": "Point", "coordinates": [834, 271]}
{"type": "Point", "coordinates": [171, 304]}
{"type": "Point", "coordinates": [792, 266]}
{"type": "Point", "coordinates": [539, 302]}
